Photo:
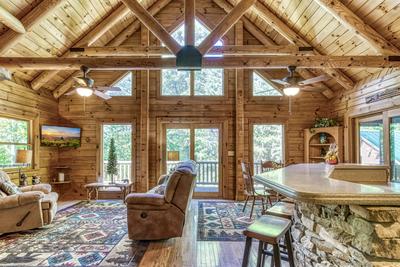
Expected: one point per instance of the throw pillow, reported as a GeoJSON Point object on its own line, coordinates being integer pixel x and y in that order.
{"type": "Point", "coordinates": [9, 188]}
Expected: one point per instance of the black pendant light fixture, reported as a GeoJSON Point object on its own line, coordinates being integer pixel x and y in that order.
{"type": "Point", "coordinates": [189, 58]}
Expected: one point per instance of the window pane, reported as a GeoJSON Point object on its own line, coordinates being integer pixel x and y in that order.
{"type": "Point", "coordinates": [13, 131]}
{"type": "Point", "coordinates": [371, 142]}
{"type": "Point", "coordinates": [175, 82]}
{"type": "Point", "coordinates": [125, 84]}
{"type": "Point", "coordinates": [267, 144]}
{"type": "Point", "coordinates": [263, 88]}
{"type": "Point", "coordinates": [395, 148]}
{"type": "Point", "coordinates": [8, 154]}
{"type": "Point", "coordinates": [178, 141]}
{"type": "Point", "coordinates": [209, 82]}
{"type": "Point", "coordinates": [122, 134]}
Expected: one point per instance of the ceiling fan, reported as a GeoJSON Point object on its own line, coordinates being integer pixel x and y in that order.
{"type": "Point", "coordinates": [293, 83]}
{"type": "Point", "coordinates": [85, 86]}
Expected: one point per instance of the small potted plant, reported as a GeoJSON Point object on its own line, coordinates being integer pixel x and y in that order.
{"type": "Point", "coordinates": [322, 123]}
{"type": "Point", "coordinates": [331, 156]}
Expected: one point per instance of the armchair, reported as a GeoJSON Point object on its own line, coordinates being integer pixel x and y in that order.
{"type": "Point", "coordinates": [33, 208]}
{"type": "Point", "coordinates": [155, 216]}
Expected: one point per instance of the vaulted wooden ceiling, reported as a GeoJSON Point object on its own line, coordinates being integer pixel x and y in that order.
{"type": "Point", "coordinates": [54, 26]}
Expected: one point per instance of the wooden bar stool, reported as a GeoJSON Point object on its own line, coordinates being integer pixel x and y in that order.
{"type": "Point", "coordinates": [268, 230]}
{"type": "Point", "coordinates": [281, 209]}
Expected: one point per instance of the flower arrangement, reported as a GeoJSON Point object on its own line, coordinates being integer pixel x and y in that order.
{"type": "Point", "coordinates": [331, 156]}
{"type": "Point", "coordinates": [325, 122]}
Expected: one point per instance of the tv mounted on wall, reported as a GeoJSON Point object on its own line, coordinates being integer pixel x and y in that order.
{"type": "Point", "coordinates": [59, 136]}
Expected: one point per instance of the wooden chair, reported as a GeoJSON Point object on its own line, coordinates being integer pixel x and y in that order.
{"type": "Point", "coordinates": [251, 192]}
{"type": "Point", "coordinates": [270, 166]}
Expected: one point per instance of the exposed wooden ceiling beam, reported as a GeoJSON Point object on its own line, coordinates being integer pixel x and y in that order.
{"type": "Point", "coordinates": [135, 25]}
{"type": "Point", "coordinates": [228, 62]}
{"type": "Point", "coordinates": [10, 21]}
{"type": "Point", "coordinates": [34, 17]}
{"type": "Point", "coordinates": [262, 37]}
{"type": "Point", "coordinates": [153, 25]}
{"type": "Point", "coordinates": [226, 50]}
{"type": "Point", "coordinates": [118, 40]}
{"type": "Point", "coordinates": [86, 40]}
{"type": "Point", "coordinates": [224, 25]}
{"type": "Point", "coordinates": [294, 38]}
{"type": "Point", "coordinates": [189, 21]}
{"type": "Point", "coordinates": [358, 26]}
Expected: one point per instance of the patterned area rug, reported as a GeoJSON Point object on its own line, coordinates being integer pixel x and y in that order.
{"type": "Point", "coordinates": [223, 221]}
{"type": "Point", "coordinates": [86, 234]}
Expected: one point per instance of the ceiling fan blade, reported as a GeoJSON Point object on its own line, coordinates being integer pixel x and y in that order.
{"type": "Point", "coordinates": [107, 88]}
{"type": "Point", "coordinates": [280, 81]}
{"type": "Point", "coordinates": [321, 78]}
{"type": "Point", "coordinates": [71, 92]}
{"type": "Point", "coordinates": [102, 95]}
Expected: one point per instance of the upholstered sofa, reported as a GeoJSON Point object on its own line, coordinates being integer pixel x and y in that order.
{"type": "Point", "coordinates": [33, 208]}
{"type": "Point", "coordinates": [160, 213]}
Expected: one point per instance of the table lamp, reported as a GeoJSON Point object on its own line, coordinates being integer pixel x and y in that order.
{"type": "Point", "coordinates": [172, 156]}
{"type": "Point", "coordinates": [23, 157]}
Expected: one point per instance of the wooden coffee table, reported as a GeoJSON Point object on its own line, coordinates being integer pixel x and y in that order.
{"type": "Point", "coordinates": [94, 188]}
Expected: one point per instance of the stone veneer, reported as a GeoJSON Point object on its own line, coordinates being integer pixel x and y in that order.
{"type": "Point", "coordinates": [343, 235]}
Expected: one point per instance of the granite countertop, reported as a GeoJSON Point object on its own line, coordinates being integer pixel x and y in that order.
{"type": "Point", "coordinates": [310, 183]}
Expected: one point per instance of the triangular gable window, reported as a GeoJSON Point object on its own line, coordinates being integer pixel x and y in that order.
{"type": "Point", "coordinates": [263, 87]}
{"type": "Point", "coordinates": [126, 85]}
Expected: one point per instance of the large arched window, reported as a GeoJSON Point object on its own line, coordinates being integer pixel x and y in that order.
{"type": "Point", "coordinates": [207, 82]}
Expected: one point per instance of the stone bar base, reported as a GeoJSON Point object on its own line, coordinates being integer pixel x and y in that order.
{"type": "Point", "coordinates": [343, 235]}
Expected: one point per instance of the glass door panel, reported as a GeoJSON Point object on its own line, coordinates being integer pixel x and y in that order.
{"type": "Point", "coordinates": [206, 154]}
{"type": "Point", "coordinates": [122, 136]}
{"type": "Point", "coordinates": [371, 142]}
{"type": "Point", "coordinates": [267, 144]}
{"type": "Point", "coordinates": [178, 146]}
{"type": "Point", "coordinates": [395, 148]}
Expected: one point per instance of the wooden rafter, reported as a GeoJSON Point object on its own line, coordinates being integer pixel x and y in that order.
{"type": "Point", "coordinates": [266, 41]}
{"type": "Point", "coordinates": [118, 40]}
{"type": "Point", "coordinates": [226, 50]}
{"type": "Point", "coordinates": [34, 17]}
{"type": "Point", "coordinates": [86, 40]}
{"type": "Point", "coordinates": [358, 26]}
{"type": "Point", "coordinates": [228, 62]}
{"type": "Point", "coordinates": [224, 25]}
{"type": "Point", "coordinates": [294, 38]}
{"type": "Point", "coordinates": [153, 25]}
{"type": "Point", "coordinates": [10, 21]}
{"type": "Point", "coordinates": [189, 22]}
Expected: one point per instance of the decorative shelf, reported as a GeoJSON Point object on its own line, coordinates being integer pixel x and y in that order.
{"type": "Point", "coordinates": [64, 182]}
{"type": "Point", "coordinates": [327, 144]}
{"type": "Point", "coordinates": [313, 149]}
{"type": "Point", "coordinates": [61, 167]}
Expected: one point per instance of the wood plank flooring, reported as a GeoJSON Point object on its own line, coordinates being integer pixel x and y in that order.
{"type": "Point", "coordinates": [188, 252]}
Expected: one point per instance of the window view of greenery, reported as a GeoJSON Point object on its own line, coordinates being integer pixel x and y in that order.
{"type": "Point", "coordinates": [122, 134]}
{"type": "Point", "coordinates": [207, 82]}
{"type": "Point", "coordinates": [395, 148]}
{"type": "Point", "coordinates": [179, 140]}
{"type": "Point", "coordinates": [261, 87]}
{"type": "Point", "coordinates": [267, 144]}
{"type": "Point", "coordinates": [14, 135]}
{"type": "Point", "coordinates": [371, 142]}
{"type": "Point", "coordinates": [125, 83]}
{"type": "Point", "coordinates": [206, 154]}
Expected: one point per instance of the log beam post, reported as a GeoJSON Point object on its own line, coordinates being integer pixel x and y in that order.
{"type": "Point", "coordinates": [10, 21]}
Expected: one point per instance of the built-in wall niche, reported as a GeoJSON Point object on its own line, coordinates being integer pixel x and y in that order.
{"type": "Point", "coordinates": [318, 140]}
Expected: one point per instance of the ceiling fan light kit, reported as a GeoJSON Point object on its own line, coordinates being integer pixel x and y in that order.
{"type": "Point", "coordinates": [291, 90]}
{"type": "Point", "coordinates": [85, 92]}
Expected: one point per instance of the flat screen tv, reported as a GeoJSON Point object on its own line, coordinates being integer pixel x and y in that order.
{"type": "Point", "coordinates": [59, 136]}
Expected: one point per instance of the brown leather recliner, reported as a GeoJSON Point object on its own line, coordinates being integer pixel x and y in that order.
{"type": "Point", "coordinates": [155, 216]}
{"type": "Point", "coordinates": [35, 207]}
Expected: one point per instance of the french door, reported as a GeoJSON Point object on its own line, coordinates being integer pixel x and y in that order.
{"type": "Point", "coordinates": [199, 142]}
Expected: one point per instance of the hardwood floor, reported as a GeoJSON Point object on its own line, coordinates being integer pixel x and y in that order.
{"type": "Point", "coordinates": [187, 251]}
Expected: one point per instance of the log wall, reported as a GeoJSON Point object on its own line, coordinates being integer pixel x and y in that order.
{"type": "Point", "coordinates": [19, 101]}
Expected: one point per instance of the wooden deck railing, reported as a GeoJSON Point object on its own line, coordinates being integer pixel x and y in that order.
{"type": "Point", "coordinates": [207, 172]}
{"type": "Point", "coordinates": [124, 171]}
